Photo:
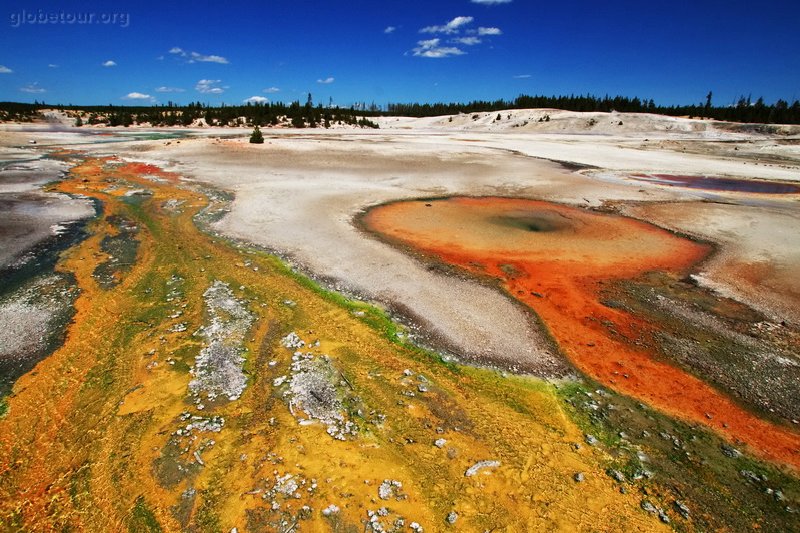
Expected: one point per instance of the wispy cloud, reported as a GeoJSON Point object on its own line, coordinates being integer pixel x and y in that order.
{"type": "Point", "coordinates": [32, 88]}
{"type": "Point", "coordinates": [5, 70]}
{"type": "Point", "coordinates": [138, 96]}
{"type": "Point", "coordinates": [208, 58]}
{"type": "Point", "coordinates": [453, 26]}
{"type": "Point", "coordinates": [522, 76]}
{"type": "Point", "coordinates": [272, 90]}
{"type": "Point", "coordinates": [468, 41]}
{"type": "Point", "coordinates": [431, 48]}
{"type": "Point", "coordinates": [489, 31]}
{"type": "Point", "coordinates": [209, 87]}
{"type": "Point", "coordinates": [390, 29]}
{"type": "Point", "coordinates": [165, 89]}
{"type": "Point", "coordinates": [491, 2]}
{"type": "Point", "coordinates": [329, 79]}
{"type": "Point", "coordinates": [109, 63]}
{"type": "Point", "coordinates": [52, 65]}
{"type": "Point", "coordinates": [194, 57]}
{"type": "Point", "coordinates": [256, 100]}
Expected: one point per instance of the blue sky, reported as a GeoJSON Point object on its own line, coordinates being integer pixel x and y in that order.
{"type": "Point", "coordinates": [392, 51]}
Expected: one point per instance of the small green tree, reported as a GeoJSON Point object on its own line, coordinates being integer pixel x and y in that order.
{"type": "Point", "coordinates": [78, 122]}
{"type": "Point", "coordinates": [256, 137]}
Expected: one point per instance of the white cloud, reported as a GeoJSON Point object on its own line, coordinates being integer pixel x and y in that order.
{"type": "Point", "coordinates": [209, 87]}
{"type": "Point", "coordinates": [468, 41]}
{"type": "Point", "coordinates": [32, 88]}
{"type": "Point", "coordinates": [208, 58]}
{"type": "Point", "coordinates": [491, 2]}
{"type": "Point", "coordinates": [109, 63]}
{"type": "Point", "coordinates": [489, 31]}
{"type": "Point", "coordinates": [52, 65]}
{"type": "Point", "coordinates": [329, 79]}
{"type": "Point", "coordinates": [194, 57]}
{"type": "Point", "coordinates": [5, 70]}
{"type": "Point", "coordinates": [522, 76]}
{"type": "Point", "coordinates": [165, 89]}
{"type": "Point", "coordinates": [137, 96]}
{"type": "Point", "coordinates": [430, 48]}
{"type": "Point", "coordinates": [389, 29]}
{"type": "Point", "coordinates": [271, 90]}
{"type": "Point", "coordinates": [256, 100]}
{"type": "Point", "coordinates": [451, 27]}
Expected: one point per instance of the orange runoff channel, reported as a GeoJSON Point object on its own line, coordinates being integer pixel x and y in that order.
{"type": "Point", "coordinates": [555, 259]}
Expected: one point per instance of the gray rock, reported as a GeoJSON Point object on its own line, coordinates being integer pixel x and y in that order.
{"type": "Point", "coordinates": [390, 488]}
{"type": "Point", "coordinates": [480, 465]}
{"type": "Point", "coordinates": [681, 508]}
{"type": "Point", "coordinates": [330, 510]}
{"type": "Point", "coordinates": [730, 451]}
{"type": "Point", "coordinates": [616, 475]}
{"type": "Point", "coordinates": [649, 507]}
{"type": "Point", "coordinates": [750, 476]}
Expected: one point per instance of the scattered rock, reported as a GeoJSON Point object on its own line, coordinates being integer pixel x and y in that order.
{"type": "Point", "coordinates": [330, 510]}
{"type": "Point", "coordinates": [390, 488]}
{"type": "Point", "coordinates": [579, 477]}
{"type": "Point", "coordinates": [218, 367]}
{"type": "Point", "coordinates": [452, 517]}
{"type": "Point", "coordinates": [313, 388]}
{"type": "Point", "coordinates": [649, 507]}
{"type": "Point", "coordinates": [439, 443]}
{"type": "Point", "coordinates": [292, 341]}
{"type": "Point", "coordinates": [730, 451]}
{"type": "Point", "coordinates": [752, 476]}
{"type": "Point", "coordinates": [682, 509]}
{"type": "Point", "coordinates": [480, 465]}
{"type": "Point", "coordinates": [616, 475]}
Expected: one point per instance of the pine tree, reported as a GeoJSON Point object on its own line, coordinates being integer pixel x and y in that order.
{"type": "Point", "coordinates": [78, 122]}
{"type": "Point", "coordinates": [257, 137]}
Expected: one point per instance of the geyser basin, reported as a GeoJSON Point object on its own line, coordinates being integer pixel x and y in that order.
{"type": "Point", "coordinates": [714, 183]}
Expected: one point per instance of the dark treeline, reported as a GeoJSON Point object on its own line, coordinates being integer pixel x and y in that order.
{"type": "Point", "coordinates": [170, 114]}
{"type": "Point", "coordinates": [309, 115]}
{"type": "Point", "coordinates": [744, 110]}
